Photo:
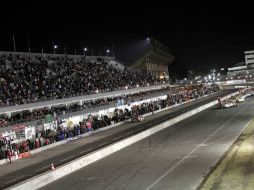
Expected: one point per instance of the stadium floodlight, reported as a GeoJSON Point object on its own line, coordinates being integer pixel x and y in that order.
{"type": "Point", "coordinates": [107, 50]}
{"type": "Point", "coordinates": [54, 48]}
{"type": "Point", "coordinates": [97, 91]}
{"type": "Point", "coordinates": [85, 49]}
{"type": "Point", "coordinates": [126, 87]}
{"type": "Point", "coordinates": [148, 84]}
{"type": "Point", "coordinates": [137, 85]}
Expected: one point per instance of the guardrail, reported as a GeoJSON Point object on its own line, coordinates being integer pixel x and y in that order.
{"type": "Point", "coordinates": [37, 105]}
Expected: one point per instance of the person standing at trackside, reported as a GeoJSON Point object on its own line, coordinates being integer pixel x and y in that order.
{"type": "Point", "coordinates": [219, 102]}
{"type": "Point", "coordinates": [9, 154]}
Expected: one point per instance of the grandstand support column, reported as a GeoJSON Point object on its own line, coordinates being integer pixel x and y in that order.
{"type": "Point", "coordinates": [14, 45]}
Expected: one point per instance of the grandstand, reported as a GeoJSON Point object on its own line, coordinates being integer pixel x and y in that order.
{"type": "Point", "coordinates": [29, 77]}
{"type": "Point", "coordinates": [33, 85]}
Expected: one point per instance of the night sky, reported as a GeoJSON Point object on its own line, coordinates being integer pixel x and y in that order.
{"type": "Point", "coordinates": [200, 37]}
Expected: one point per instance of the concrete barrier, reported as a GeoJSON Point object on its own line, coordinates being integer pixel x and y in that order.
{"type": "Point", "coordinates": [48, 177]}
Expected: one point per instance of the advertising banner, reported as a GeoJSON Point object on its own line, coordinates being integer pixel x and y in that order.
{"type": "Point", "coordinates": [29, 133]}
{"type": "Point", "coordinates": [48, 118]}
{"type": "Point", "coordinates": [18, 127]}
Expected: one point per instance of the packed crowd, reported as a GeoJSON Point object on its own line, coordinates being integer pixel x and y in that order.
{"type": "Point", "coordinates": [31, 79]}
{"type": "Point", "coordinates": [27, 116]}
{"type": "Point", "coordinates": [48, 137]}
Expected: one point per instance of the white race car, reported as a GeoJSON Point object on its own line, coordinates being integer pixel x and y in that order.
{"type": "Point", "coordinates": [241, 99]}
{"type": "Point", "coordinates": [228, 104]}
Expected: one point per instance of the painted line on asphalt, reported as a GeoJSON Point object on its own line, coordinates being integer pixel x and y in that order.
{"type": "Point", "coordinates": [87, 150]}
{"type": "Point", "coordinates": [103, 144]}
{"type": "Point", "coordinates": [14, 179]}
{"type": "Point", "coordinates": [42, 168]}
{"type": "Point", "coordinates": [194, 156]}
{"type": "Point", "coordinates": [93, 178]}
{"type": "Point", "coordinates": [67, 158]}
{"type": "Point", "coordinates": [202, 143]}
{"type": "Point", "coordinates": [117, 138]}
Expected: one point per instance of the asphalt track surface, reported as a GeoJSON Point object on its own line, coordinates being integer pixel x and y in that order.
{"type": "Point", "coordinates": [14, 177]}
{"type": "Point", "coordinates": [176, 158]}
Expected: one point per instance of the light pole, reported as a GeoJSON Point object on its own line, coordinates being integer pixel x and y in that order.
{"type": "Point", "coordinates": [85, 49]}
{"type": "Point", "coordinates": [54, 48]}
{"type": "Point", "coordinates": [107, 52]}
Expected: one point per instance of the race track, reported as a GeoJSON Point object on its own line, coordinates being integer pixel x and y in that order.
{"type": "Point", "coordinates": [175, 158]}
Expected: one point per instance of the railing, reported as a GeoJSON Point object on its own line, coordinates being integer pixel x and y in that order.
{"type": "Point", "coordinates": [74, 112]}
{"type": "Point", "coordinates": [76, 99]}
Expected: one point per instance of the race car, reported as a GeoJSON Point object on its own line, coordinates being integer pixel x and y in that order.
{"type": "Point", "coordinates": [138, 118]}
{"type": "Point", "coordinates": [228, 104]}
{"type": "Point", "coordinates": [240, 99]}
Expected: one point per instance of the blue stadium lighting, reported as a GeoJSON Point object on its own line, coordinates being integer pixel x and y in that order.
{"type": "Point", "coordinates": [55, 46]}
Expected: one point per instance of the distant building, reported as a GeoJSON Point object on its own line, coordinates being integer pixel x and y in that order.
{"type": "Point", "coordinates": [249, 58]}
{"type": "Point", "coordinates": [155, 60]}
{"type": "Point", "coordinates": [243, 68]}
{"type": "Point", "coordinates": [239, 68]}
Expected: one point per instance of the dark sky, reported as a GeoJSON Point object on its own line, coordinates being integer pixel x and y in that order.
{"type": "Point", "coordinates": [199, 36]}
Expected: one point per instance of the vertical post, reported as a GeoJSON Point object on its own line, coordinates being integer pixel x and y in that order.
{"type": "Point", "coordinates": [42, 49]}
{"type": "Point", "coordinates": [28, 40]}
{"type": "Point", "coordinates": [14, 45]}
{"type": "Point", "coordinates": [113, 53]}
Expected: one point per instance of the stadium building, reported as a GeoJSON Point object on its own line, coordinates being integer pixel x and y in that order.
{"type": "Point", "coordinates": [155, 59]}
{"type": "Point", "coordinates": [243, 68]}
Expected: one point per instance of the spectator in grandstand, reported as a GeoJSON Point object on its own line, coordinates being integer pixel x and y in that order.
{"type": "Point", "coordinates": [26, 79]}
